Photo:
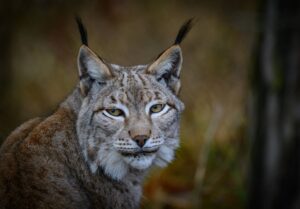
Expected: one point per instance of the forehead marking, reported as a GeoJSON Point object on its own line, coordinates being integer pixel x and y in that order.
{"type": "Point", "coordinates": [134, 88]}
{"type": "Point", "coordinates": [141, 79]}
{"type": "Point", "coordinates": [122, 97]}
{"type": "Point", "coordinates": [149, 95]}
{"type": "Point", "coordinates": [121, 80]}
{"type": "Point", "coordinates": [141, 95]}
{"type": "Point", "coordinates": [137, 80]}
{"type": "Point", "coordinates": [157, 95]}
{"type": "Point", "coordinates": [128, 96]}
{"type": "Point", "coordinates": [130, 78]}
{"type": "Point", "coordinates": [113, 99]}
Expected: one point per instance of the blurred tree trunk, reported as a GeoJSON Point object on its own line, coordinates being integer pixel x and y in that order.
{"type": "Point", "coordinates": [11, 14]}
{"type": "Point", "coordinates": [7, 17]}
{"type": "Point", "coordinates": [275, 110]}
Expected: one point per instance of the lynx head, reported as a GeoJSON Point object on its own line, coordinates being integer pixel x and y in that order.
{"type": "Point", "coordinates": [129, 118]}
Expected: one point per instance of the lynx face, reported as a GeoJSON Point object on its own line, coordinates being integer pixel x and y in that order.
{"type": "Point", "coordinates": [130, 115]}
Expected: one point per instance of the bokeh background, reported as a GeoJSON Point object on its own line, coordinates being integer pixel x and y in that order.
{"type": "Point", "coordinates": [39, 46]}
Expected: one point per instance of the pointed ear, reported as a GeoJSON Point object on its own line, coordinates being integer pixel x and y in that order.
{"type": "Point", "coordinates": [90, 68]}
{"type": "Point", "coordinates": [166, 68]}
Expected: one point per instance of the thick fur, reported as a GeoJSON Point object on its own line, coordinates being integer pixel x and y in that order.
{"type": "Point", "coordinates": [81, 156]}
{"type": "Point", "coordinates": [41, 167]}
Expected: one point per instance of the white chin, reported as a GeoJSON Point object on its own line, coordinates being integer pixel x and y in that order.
{"type": "Point", "coordinates": [140, 162]}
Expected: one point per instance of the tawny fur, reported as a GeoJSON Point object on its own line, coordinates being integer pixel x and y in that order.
{"type": "Point", "coordinates": [41, 167]}
{"type": "Point", "coordinates": [82, 156]}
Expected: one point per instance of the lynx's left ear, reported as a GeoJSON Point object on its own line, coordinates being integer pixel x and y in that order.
{"type": "Point", "coordinates": [167, 66]}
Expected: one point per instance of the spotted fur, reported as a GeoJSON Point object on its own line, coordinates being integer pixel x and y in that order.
{"type": "Point", "coordinates": [84, 155]}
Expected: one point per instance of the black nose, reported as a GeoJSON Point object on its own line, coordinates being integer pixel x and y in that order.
{"type": "Point", "coordinates": [141, 139]}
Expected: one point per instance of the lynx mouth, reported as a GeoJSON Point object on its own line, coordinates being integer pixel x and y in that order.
{"type": "Point", "coordinates": [139, 153]}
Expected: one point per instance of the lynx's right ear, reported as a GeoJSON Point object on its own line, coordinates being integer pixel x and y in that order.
{"type": "Point", "coordinates": [91, 68]}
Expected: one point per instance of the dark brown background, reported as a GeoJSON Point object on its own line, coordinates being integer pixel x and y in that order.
{"type": "Point", "coordinates": [39, 44]}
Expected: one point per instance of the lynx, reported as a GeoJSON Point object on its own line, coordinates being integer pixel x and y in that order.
{"type": "Point", "coordinates": [95, 150]}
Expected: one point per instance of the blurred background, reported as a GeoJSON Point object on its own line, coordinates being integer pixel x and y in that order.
{"type": "Point", "coordinates": [240, 78]}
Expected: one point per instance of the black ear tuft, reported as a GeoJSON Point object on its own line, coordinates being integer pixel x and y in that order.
{"type": "Point", "coordinates": [82, 31]}
{"type": "Point", "coordinates": [185, 28]}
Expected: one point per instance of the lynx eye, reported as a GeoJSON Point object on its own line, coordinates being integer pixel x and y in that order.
{"type": "Point", "coordinates": [115, 112]}
{"type": "Point", "coordinates": [157, 108]}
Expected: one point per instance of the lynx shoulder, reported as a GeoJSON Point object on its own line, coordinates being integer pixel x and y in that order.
{"type": "Point", "coordinates": [94, 151]}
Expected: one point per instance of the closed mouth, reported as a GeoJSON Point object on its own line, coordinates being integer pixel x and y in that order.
{"type": "Point", "coordinates": [139, 153]}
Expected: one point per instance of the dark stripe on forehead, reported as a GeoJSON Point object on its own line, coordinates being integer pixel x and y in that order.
{"type": "Point", "coordinates": [121, 80]}
{"type": "Point", "coordinates": [113, 99]}
{"type": "Point", "coordinates": [157, 95]}
{"type": "Point", "coordinates": [142, 79]}
{"type": "Point", "coordinates": [141, 96]}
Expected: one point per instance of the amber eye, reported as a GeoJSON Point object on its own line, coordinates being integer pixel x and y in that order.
{"type": "Point", "coordinates": [115, 112]}
{"type": "Point", "coordinates": [157, 108]}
